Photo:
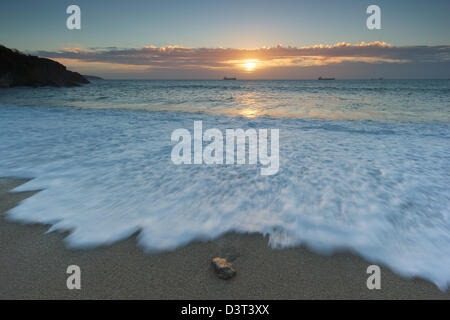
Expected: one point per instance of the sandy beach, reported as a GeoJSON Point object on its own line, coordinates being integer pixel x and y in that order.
{"type": "Point", "coordinates": [33, 266]}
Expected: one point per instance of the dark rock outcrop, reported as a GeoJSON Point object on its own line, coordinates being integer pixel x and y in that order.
{"type": "Point", "coordinates": [224, 269]}
{"type": "Point", "coordinates": [18, 69]}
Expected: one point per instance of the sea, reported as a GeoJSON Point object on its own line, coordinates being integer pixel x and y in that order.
{"type": "Point", "coordinates": [364, 165]}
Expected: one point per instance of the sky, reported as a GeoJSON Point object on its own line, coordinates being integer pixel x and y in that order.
{"type": "Point", "coordinates": [249, 39]}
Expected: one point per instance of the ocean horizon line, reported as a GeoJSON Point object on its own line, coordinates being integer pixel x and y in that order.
{"type": "Point", "coordinates": [280, 79]}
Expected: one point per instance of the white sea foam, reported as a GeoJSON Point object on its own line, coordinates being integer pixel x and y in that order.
{"type": "Point", "coordinates": [380, 189]}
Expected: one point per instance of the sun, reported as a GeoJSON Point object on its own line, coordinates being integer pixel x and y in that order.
{"type": "Point", "coordinates": [250, 65]}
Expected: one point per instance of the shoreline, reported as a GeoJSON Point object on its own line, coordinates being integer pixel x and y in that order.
{"type": "Point", "coordinates": [33, 266]}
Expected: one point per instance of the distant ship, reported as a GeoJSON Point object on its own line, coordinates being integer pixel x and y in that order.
{"type": "Point", "coordinates": [320, 78]}
{"type": "Point", "coordinates": [227, 78]}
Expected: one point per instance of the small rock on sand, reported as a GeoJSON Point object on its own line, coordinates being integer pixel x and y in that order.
{"type": "Point", "coordinates": [223, 268]}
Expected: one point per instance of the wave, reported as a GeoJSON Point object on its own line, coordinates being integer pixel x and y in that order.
{"type": "Point", "coordinates": [379, 189]}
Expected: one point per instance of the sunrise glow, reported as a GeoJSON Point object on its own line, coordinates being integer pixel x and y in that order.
{"type": "Point", "coordinates": [250, 65]}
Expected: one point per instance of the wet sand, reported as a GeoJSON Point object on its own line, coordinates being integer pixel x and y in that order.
{"type": "Point", "coordinates": [33, 266]}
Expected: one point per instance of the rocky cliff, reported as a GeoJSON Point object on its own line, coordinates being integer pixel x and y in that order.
{"type": "Point", "coordinates": [18, 69]}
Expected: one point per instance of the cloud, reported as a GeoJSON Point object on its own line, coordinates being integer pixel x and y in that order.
{"type": "Point", "coordinates": [176, 57]}
{"type": "Point", "coordinates": [341, 60]}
